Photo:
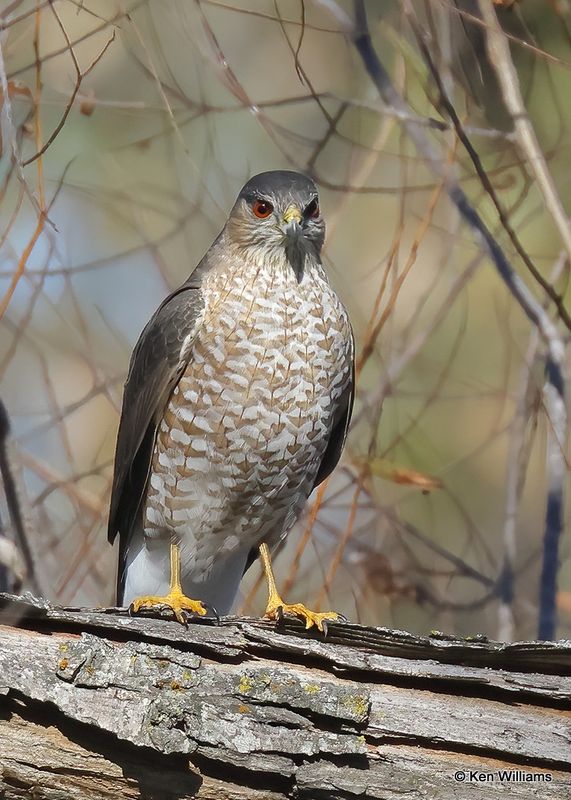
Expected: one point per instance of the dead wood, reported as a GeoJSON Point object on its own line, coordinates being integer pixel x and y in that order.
{"type": "Point", "coordinates": [96, 704]}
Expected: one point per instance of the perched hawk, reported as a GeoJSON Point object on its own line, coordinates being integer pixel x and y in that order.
{"type": "Point", "coordinates": [236, 407]}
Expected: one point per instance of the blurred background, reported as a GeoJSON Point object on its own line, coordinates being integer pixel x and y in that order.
{"type": "Point", "coordinates": [129, 126]}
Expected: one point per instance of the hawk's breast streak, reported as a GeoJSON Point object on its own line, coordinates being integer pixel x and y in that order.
{"type": "Point", "coordinates": [244, 432]}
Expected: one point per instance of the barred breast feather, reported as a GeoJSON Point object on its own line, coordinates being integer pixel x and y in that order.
{"type": "Point", "coordinates": [245, 430]}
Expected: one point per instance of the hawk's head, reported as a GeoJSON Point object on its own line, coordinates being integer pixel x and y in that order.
{"type": "Point", "coordinates": [278, 214]}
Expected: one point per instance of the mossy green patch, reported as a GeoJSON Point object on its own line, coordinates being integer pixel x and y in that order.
{"type": "Point", "coordinates": [358, 704]}
{"type": "Point", "coordinates": [246, 684]}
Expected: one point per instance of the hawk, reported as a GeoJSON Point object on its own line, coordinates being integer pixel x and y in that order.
{"type": "Point", "coordinates": [236, 406]}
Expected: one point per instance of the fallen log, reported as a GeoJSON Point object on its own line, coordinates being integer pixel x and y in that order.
{"type": "Point", "coordinates": [97, 704]}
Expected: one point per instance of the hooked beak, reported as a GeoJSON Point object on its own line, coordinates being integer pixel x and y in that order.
{"type": "Point", "coordinates": [294, 241]}
{"type": "Point", "coordinates": [292, 219]}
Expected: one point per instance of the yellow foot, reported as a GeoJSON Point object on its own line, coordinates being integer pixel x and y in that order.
{"type": "Point", "coordinates": [176, 601]}
{"type": "Point", "coordinates": [276, 609]}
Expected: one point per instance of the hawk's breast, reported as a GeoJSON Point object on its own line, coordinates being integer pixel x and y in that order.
{"type": "Point", "coordinates": [245, 430]}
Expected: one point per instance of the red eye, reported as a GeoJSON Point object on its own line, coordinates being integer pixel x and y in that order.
{"type": "Point", "coordinates": [312, 210]}
{"type": "Point", "coordinates": [262, 209]}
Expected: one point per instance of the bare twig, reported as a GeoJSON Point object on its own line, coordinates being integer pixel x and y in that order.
{"type": "Point", "coordinates": [8, 131]}
{"type": "Point", "coordinates": [515, 285]}
{"type": "Point", "coordinates": [518, 456]}
{"type": "Point", "coordinates": [557, 472]}
{"type": "Point", "coordinates": [483, 175]}
{"type": "Point", "coordinates": [500, 57]}
{"type": "Point", "coordinates": [528, 303]}
{"type": "Point", "coordinates": [519, 447]}
{"type": "Point", "coordinates": [554, 390]}
{"type": "Point", "coordinates": [15, 500]}
{"type": "Point", "coordinates": [80, 75]}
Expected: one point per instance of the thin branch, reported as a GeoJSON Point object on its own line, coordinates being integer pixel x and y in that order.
{"type": "Point", "coordinates": [500, 56]}
{"type": "Point", "coordinates": [8, 131]}
{"type": "Point", "coordinates": [79, 78]}
{"type": "Point", "coordinates": [517, 40]}
{"type": "Point", "coordinates": [376, 326]}
{"type": "Point", "coordinates": [305, 538]}
{"type": "Point", "coordinates": [517, 462]}
{"type": "Point", "coordinates": [553, 391]}
{"type": "Point", "coordinates": [463, 567]}
{"type": "Point", "coordinates": [114, 21]}
{"type": "Point", "coordinates": [483, 175]}
{"type": "Point", "coordinates": [518, 458]}
{"type": "Point", "coordinates": [556, 475]}
{"type": "Point", "coordinates": [528, 303]}
{"type": "Point", "coordinates": [22, 261]}
{"type": "Point", "coordinates": [341, 546]}
{"type": "Point", "coordinates": [14, 500]}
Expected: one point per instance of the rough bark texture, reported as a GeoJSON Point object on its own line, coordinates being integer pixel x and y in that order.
{"type": "Point", "coordinates": [95, 704]}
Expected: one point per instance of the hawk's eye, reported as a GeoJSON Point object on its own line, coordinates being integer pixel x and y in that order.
{"type": "Point", "coordinates": [312, 210]}
{"type": "Point", "coordinates": [262, 209]}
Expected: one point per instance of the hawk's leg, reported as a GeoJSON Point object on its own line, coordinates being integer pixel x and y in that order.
{"type": "Point", "coordinates": [175, 599]}
{"type": "Point", "coordinates": [276, 606]}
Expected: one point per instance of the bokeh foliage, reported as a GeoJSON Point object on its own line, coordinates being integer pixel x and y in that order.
{"type": "Point", "coordinates": [161, 109]}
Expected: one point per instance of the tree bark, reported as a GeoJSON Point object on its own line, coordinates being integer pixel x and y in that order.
{"type": "Point", "coordinates": [97, 704]}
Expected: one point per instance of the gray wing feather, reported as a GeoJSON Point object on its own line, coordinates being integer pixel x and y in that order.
{"type": "Point", "coordinates": [339, 432]}
{"type": "Point", "coordinates": [156, 366]}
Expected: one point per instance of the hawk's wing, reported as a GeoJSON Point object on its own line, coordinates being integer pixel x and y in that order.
{"type": "Point", "coordinates": [157, 364]}
{"type": "Point", "coordinates": [339, 432]}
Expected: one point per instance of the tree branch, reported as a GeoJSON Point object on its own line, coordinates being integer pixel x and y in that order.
{"type": "Point", "coordinates": [93, 699]}
{"type": "Point", "coordinates": [16, 503]}
{"type": "Point", "coordinates": [500, 57]}
{"type": "Point", "coordinates": [538, 316]}
{"type": "Point", "coordinates": [554, 389]}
